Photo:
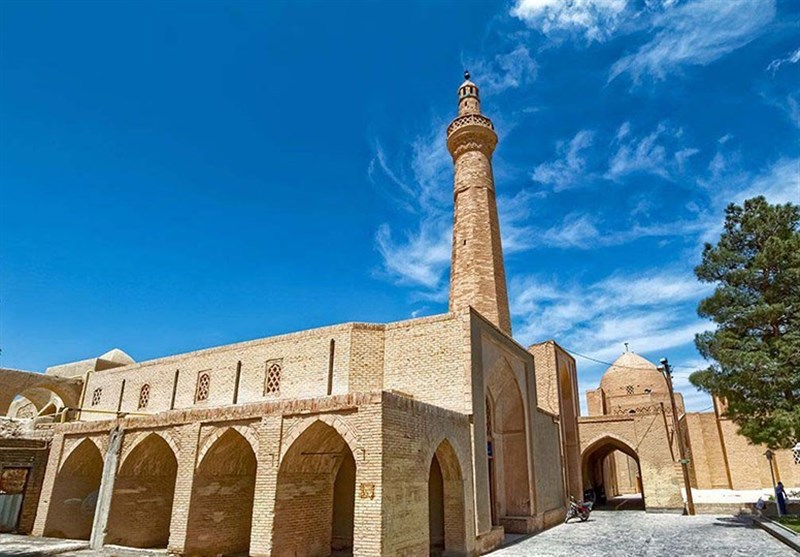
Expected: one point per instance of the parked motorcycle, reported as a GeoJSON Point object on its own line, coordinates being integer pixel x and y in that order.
{"type": "Point", "coordinates": [578, 509]}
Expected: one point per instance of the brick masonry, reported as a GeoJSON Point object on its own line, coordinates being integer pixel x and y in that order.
{"type": "Point", "coordinates": [375, 439]}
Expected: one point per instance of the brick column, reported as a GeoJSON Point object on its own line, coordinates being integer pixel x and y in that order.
{"type": "Point", "coordinates": [368, 528]}
{"type": "Point", "coordinates": [56, 446]}
{"type": "Point", "coordinates": [268, 461]}
{"type": "Point", "coordinates": [184, 481]}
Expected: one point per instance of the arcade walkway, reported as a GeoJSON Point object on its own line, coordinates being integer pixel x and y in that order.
{"type": "Point", "coordinates": [624, 533]}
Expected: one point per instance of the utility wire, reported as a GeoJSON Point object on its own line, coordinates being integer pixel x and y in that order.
{"type": "Point", "coordinates": [584, 356]}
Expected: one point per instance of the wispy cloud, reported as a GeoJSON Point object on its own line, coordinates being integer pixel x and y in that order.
{"type": "Point", "coordinates": [570, 165]}
{"type": "Point", "coordinates": [695, 33]}
{"type": "Point", "coordinates": [792, 58]}
{"type": "Point", "coordinates": [649, 154]}
{"type": "Point", "coordinates": [583, 231]}
{"type": "Point", "coordinates": [653, 310]}
{"type": "Point", "coordinates": [780, 183]}
{"type": "Point", "coordinates": [419, 256]}
{"type": "Point", "coordinates": [505, 71]}
{"type": "Point", "coordinates": [594, 20]}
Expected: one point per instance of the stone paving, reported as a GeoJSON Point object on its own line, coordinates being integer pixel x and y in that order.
{"type": "Point", "coordinates": [605, 534]}
{"type": "Point", "coordinates": [12, 545]}
{"type": "Point", "coordinates": [635, 533]}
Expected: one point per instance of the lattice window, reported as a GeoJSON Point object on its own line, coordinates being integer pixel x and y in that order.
{"type": "Point", "coordinates": [203, 385]}
{"type": "Point", "coordinates": [796, 453]}
{"type": "Point", "coordinates": [272, 386]}
{"type": "Point", "coordinates": [144, 396]}
{"type": "Point", "coordinates": [96, 396]}
{"type": "Point", "coordinates": [629, 389]}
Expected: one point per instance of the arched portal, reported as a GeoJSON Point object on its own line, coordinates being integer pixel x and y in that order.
{"type": "Point", "coordinates": [446, 519]}
{"type": "Point", "coordinates": [221, 507]}
{"type": "Point", "coordinates": [74, 496]}
{"type": "Point", "coordinates": [601, 468]}
{"type": "Point", "coordinates": [510, 492]}
{"type": "Point", "coordinates": [315, 496]}
{"type": "Point", "coordinates": [141, 505]}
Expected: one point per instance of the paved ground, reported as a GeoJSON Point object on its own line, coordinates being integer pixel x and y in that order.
{"type": "Point", "coordinates": [605, 534]}
{"type": "Point", "coordinates": [27, 546]}
{"type": "Point", "coordinates": [635, 533]}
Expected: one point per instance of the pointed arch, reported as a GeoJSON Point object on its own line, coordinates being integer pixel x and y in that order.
{"type": "Point", "coordinates": [134, 439]}
{"type": "Point", "coordinates": [341, 426]}
{"type": "Point", "coordinates": [509, 482]}
{"type": "Point", "coordinates": [319, 464]}
{"type": "Point", "coordinates": [141, 503]}
{"type": "Point", "coordinates": [599, 467]}
{"type": "Point", "coordinates": [221, 504]}
{"type": "Point", "coordinates": [446, 502]}
{"type": "Point", "coordinates": [247, 432]}
{"type": "Point", "coordinates": [74, 496]}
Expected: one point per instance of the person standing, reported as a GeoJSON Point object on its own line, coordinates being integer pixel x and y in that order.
{"type": "Point", "coordinates": [780, 496]}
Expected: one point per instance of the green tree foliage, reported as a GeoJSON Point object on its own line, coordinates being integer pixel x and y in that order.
{"type": "Point", "coordinates": [755, 349]}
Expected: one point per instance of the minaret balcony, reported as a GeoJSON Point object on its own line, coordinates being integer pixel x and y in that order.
{"type": "Point", "coordinates": [469, 120]}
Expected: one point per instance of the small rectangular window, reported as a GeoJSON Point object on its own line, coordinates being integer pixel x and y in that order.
{"type": "Point", "coordinates": [96, 396]}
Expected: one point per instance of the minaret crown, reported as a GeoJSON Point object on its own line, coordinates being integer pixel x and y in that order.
{"type": "Point", "coordinates": [469, 100]}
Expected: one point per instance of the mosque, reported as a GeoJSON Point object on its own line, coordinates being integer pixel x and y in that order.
{"type": "Point", "coordinates": [431, 436]}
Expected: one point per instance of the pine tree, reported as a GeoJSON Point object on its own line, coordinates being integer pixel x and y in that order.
{"type": "Point", "coordinates": [755, 349]}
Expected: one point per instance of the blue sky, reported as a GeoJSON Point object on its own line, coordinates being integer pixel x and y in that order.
{"type": "Point", "coordinates": [179, 175]}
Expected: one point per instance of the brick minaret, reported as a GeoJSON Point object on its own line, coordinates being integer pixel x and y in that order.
{"type": "Point", "coordinates": [477, 275]}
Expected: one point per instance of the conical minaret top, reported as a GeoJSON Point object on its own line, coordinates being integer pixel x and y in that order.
{"type": "Point", "coordinates": [477, 273]}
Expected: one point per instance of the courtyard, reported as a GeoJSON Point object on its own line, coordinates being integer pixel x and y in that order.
{"type": "Point", "coordinates": [606, 533]}
{"type": "Point", "coordinates": [624, 533]}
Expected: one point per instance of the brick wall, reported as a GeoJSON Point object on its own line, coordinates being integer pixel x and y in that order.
{"type": "Point", "coordinates": [141, 504]}
{"type": "Point", "coordinates": [30, 455]}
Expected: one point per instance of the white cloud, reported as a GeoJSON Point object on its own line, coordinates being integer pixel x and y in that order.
{"type": "Point", "coordinates": [420, 258]}
{"type": "Point", "coordinates": [505, 71]}
{"type": "Point", "coordinates": [792, 58]}
{"type": "Point", "coordinates": [595, 20]}
{"type": "Point", "coordinates": [695, 33]}
{"type": "Point", "coordinates": [566, 170]}
{"type": "Point", "coordinates": [659, 153]}
{"type": "Point", "coordinates": [779, 184]}
{"type": "Point", "coordinates": [653, 310]}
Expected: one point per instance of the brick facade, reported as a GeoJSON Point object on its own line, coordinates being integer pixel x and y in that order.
{"type": "Point", "coordinates": [397, 439]}
{"type": "Point", "coordinates": [630, 420]}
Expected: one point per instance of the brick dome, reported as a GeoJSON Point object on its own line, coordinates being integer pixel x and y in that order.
{"type": "Point", "coordinates": [631, 374]}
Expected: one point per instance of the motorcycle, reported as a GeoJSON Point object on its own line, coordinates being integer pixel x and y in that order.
{"type": "Point", "coordinates": [578, 509]}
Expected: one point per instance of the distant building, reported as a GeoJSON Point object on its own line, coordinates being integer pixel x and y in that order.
{"type": "Point", "coordinates": [629, 446]}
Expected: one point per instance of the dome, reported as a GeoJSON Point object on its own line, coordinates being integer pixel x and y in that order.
{"type": "Point", "coordinates": [632, 374]}
{"type": "Point", "coordinates": [117, 356]}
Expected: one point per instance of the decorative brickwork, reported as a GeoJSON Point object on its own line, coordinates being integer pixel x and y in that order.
{"type": "Point", "coordinates": [477, 273]}
{"type": "Point", "coordinates": [203, 387]}
{"type": "Point", "coordinates": [144, 396]}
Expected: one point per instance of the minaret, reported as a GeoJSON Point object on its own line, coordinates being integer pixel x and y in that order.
{"type": "Point", "coordinates": [477, 275]}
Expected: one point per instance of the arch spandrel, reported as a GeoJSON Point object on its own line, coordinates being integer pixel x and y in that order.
{"type": "Point", "coordinates": [71, 444]}
{"type": "Point", "coordinates": [614, 442]}
{"type": "Point", "coordinates": [344, 429]}
{"type": "Point", "coordinates": [134, 439]}
{"type": "Point", "coordinates": [248, 432]}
